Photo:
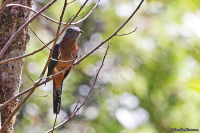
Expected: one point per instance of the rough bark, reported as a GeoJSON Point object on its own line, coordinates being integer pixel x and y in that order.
{"type": "Point", "coordinates": [10, 73]}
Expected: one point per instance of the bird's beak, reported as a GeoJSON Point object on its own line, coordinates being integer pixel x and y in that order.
{"type": "Point", "coordinates": [81, 31]}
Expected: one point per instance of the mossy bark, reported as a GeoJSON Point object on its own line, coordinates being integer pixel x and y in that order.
{"type": "Point", "coordinates": [11, 19]}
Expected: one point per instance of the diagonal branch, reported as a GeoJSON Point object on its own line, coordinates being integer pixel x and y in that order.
{"type": "Point", "coordinates": [23, 26]}
{"type": "Point", "coordinates": [126, 33]}
{"type": "Point", "coordinates": [39, 38]}
{"type": "Point", "coordinates": [4, 5]}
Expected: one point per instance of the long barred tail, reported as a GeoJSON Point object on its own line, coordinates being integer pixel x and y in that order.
{"type": "Point", "coordinates": [57, 93]}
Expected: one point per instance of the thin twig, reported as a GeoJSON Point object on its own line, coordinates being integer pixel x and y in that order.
{"type": "Point", "coordinates": [126, 33]}
{"type": "Point", "coordinates": [31, 79]}
{"type": "Point", "coordinates": [39, 38]}
{"type": "Point", "coordinates": [71, 2]}
{"type": "Point", "coordinates": [62, 60]}
{"type": "Point", "coordinates": [88, 43]}
{"type": "Point", "coordinates": [40, 95]}
{"type": "Point", "coordinates": [77, 104]}
{"type": "Point", "coordinates": [55, 118]}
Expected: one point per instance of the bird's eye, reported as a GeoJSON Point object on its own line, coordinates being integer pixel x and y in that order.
{"type": "Point", "coordinates": [71, 31]}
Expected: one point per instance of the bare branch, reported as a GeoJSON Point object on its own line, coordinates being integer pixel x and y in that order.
{"type": "Point", "coordinates": [31, 79]}
{"type": "Point", "coordinates": [22, 27]}
{"type": "Point", "coordinates": [88, 43]}
{"type": "Point", "coordinates": [40, 95]}
{"type": "Point", "coordinates": [4, 5]}
{"type": "Point", "coordinates": [71, 2]}
{"type": "Point", "coordinates": [56, 118]}
{"type": "Point", "coordinates": [126, 33]}
{"type": "Point", "coordinates": [88, 13]}
{"type": "Point", "coordinates": [39, 38]}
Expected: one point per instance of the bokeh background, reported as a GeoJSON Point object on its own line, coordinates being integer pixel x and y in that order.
{"type": "Point", "coordinates": [150, 81]}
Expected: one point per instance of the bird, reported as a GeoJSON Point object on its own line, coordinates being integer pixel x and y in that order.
{"type": "Point", "coordinates": [64, 54]}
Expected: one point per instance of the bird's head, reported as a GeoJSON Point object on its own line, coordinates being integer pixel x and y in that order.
{"type": "Point", "coordinates": [73, 33]}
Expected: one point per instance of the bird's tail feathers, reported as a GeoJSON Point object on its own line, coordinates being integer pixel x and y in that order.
{"type": "Point", "coordinates": [57, 93]}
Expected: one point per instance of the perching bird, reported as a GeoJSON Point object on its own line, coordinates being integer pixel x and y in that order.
{"type": "Point", "coordinates": [66, 50]}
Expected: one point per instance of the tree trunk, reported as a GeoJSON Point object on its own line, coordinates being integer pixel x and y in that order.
{"type": "Point", "coordinates": [11, 19]}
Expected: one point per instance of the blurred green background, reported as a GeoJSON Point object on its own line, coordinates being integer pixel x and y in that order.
{"type": "Point", "coordinates": [150, 81]}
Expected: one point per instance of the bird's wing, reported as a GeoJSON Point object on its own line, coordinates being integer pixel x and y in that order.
{"type": "Point", "coordinates": [52, 63]}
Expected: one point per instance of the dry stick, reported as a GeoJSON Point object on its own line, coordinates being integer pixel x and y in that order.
{"type": "Point", "coordinates": [34, 92]}
{"type": "Point", "coordinates": [88, 43]}
{"type": "Point", "coordinates": [16, 58]}
{"type": "Point", "coordinates": [126, 33]}
{"type": "Point", "coordinates": [39, 38]}
{"type": "Point", "coordinates": [54, 122]}
{"type": "Point", "coordinates": [31, 79]}
{"type": "Point", "coordinates": [4, 5]}
{"type": "Point", "coordinates": [22, 27]}
{"type": "Point", "coordinates": [114, 34]}
{"type": "Point", "coordinates": [40, 95]}
{"type": "Point", "coordinates": [91, 88]}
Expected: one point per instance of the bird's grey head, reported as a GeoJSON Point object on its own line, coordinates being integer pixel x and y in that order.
{"type": "Point", "coordinates": [73, 33]}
